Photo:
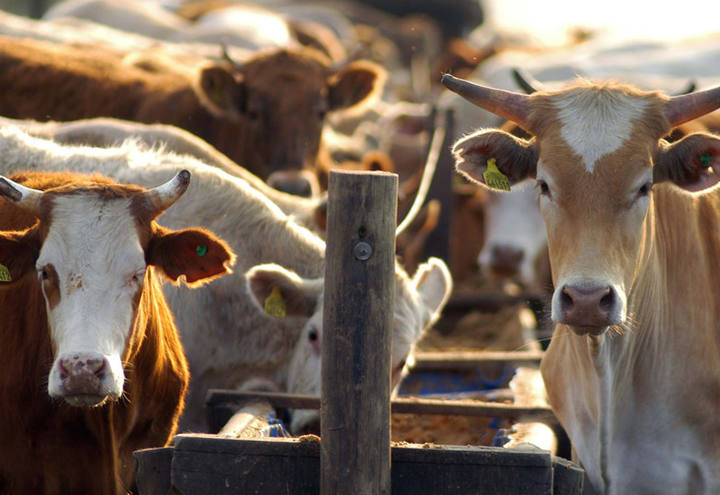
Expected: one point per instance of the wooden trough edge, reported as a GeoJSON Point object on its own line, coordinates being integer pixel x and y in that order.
{"type": "Point", "coordinates": [544, 414]}
{"type": "Point", "coordinates": [200, 464]}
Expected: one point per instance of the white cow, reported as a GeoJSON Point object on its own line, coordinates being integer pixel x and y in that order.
{"type": "Point", "coordinates": [226, 339]}
{"type": "Point", "coordinates": [108, 132]}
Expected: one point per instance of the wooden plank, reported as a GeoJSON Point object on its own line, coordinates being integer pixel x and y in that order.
{"type": "Point", "coordinates": [152, 470]}
{"type": "Point", "coordinates": [399, 405]}
{"type": "Point", "coordinates": [448, 361]}
{"type": "Point", "coordinates": [204, 464]}
{"type": "Point", "coordinates": [489, 301]}
{"type": "Point", "coordinates": [357, 323]}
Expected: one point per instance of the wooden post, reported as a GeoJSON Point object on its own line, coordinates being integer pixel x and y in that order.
{"type": "Point", "coordinates": [357, 322]}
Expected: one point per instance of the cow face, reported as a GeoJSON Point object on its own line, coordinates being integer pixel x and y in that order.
{"type": "Point", "coordinates": [514, 236]}
{"type": "Point", "coordinates": [282, 99]}
{"type": "Point", "coordinates": [596, 155]}
{"type": "Point", "coordinates": [418, 302]}
{"type": "Point", "coordinates": [93, 249]}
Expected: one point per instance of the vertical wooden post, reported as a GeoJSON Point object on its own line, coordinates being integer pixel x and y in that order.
{"type": "Point", "coordinates": [357, 323]}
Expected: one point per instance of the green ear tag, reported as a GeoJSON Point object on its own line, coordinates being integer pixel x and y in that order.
{"type": "Point", "coordinates": [275, 304]}
{"type": "Point", "coordinates": [494, 178]}
{"type": "Point", "coordinates": [705, 159]}
{"type": "Point", "coordinates": [5, 274]}
{"type": "Point", "coordinates": [201, 250]}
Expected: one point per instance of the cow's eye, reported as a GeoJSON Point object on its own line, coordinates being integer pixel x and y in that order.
{"type": "Point", "coordinates": [43, 274]}
{"type": "Point", "coordinates": [313, 335]}
{"type": "Point", "coordinates": [543, 187]}
{"type": "Point", "coordinates": [645, 189]}
{"type": "Point", "coordinates": [138, 276]}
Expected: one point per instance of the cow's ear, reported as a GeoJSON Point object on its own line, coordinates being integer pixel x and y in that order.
{"type": "Point", "coordinates": [221, 90]}
{"type": "Point", "coordinates": [693, 163]}
{"type": "Point", "coordinates": [495, 158]}
{"type": "Point", "coordinates": [196, 254]}
{"type": "Point", "coordinates": [356, 83]}
{"type": "Point", "coordinates": [19, 251]}
{"type": "Point", "coordinates": [279, 292]}
{"type": "Point", "coordinates": [434, 283]}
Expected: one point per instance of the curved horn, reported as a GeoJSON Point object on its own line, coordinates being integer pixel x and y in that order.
{"type": "Point", "coordinates": [506, 104]}
{"type": "Point", "coordinates": [681, 109]}
{"type": "Point", "coordinates": [163, 196]}
{"type": "Point", "coordinates": [24, 197]}
{"type": "Point", "coordinates": [526, 82]}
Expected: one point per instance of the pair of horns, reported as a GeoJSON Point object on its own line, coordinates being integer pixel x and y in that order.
{"type": "Point", "coordinates": [514, 106]}
{"type": "Point", "coordinates": [160, 198]}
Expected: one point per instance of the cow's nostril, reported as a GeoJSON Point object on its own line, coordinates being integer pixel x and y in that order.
{"type": "Point", "coordinates": [565, 300]}
{"type": "Point", "coordinates": [606, 303]}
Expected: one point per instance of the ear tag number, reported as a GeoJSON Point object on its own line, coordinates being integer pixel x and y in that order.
{"type": "Point", "coordinates": [494, 178]}
{"type": "Point", "coordinates": [201, 250]}
{"type": "Point", "coordinates": [705, 160]}
{"type": "Point", "coordinates": [275, 304]}
{"type": "Point", "coordinates": [5, 274]}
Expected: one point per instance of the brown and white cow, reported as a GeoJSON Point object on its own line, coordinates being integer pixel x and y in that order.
{"type": "Point", "coordinates": [91, 366]}
{"type": "Point", "coordinates": [633, 370]}
{"type": "Point", "coordinates": [266, 114]}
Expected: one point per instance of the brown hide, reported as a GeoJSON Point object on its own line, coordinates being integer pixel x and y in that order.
{"type": "Point", "coordinates": [49, 447]}
{"type": "Point", "coordinates": [266, 116]}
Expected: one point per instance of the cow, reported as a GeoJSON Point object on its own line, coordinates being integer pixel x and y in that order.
{"type": "Point", "coordinates": [92, 366]}
{"type": "Point", "coordinates": [227, 340]}
{"type": "Point", "coordinates": [632, 371]}
{"type": "Point", "coordinates": [266, 114]}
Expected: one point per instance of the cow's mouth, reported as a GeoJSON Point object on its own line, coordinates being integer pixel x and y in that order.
{"type": "Point", "coordinates": [588, 330]}
{"type": "Point", "coordinates": [86, 400]}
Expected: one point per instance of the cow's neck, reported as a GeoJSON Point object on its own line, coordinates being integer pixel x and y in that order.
{"type": "Point", "coordinates": [620, 383]}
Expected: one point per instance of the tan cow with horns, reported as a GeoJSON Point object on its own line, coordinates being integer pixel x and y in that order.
{"type": "Point", "coordinates": [633, 370]}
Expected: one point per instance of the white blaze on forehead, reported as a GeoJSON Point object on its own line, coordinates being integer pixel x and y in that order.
{"type": "Point", "coordinates": [596, 123]}
{"type": "Point", "coordinates": [94, 240]}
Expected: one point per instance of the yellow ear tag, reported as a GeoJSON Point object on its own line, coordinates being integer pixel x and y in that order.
{"type": "Point", "coordinates": [494, 178]}
{"type": "Point", "coordinates": [5, 274]}
{"type": "Point", "coordinates": [275, 304]}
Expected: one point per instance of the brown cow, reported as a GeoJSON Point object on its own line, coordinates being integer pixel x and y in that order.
{"type": "Point", "coordinates": [266, 115]}
{"type": "Point", "coordinates": [84, 318]}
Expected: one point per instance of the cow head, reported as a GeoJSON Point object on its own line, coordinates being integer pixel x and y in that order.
{"type": "Point", "coordinates": [514, 237]}
{"type": "Point", "coordinates": [94, 246]}
{"type": "Point", "coordinates": [282, 98]}
{"type": "Point", "coordinates": [596, 154]}
{"type": "Point", "coordinates": [418, 303]}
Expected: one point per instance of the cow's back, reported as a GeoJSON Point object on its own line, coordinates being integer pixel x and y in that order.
{"type": "Point", "coordinates": [48, 81]}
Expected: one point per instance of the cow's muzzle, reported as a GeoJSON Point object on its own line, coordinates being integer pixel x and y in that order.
{"type": "Point", "coordinates": [84, 379]}
{"type": "Point", "coordinates": [587, 308]}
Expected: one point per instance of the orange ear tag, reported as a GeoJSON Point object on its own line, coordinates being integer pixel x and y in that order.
{"type": "Point", "coordinates": [275, 304]}
{"type": "Point", "coordinates": [495, 179]}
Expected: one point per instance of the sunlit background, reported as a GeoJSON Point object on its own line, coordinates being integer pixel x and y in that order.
{"type": "Point", "coordinates": [551, 22]}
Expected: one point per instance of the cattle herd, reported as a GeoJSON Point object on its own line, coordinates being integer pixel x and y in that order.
{"type": "Point", "coordinates": [163, 173]}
